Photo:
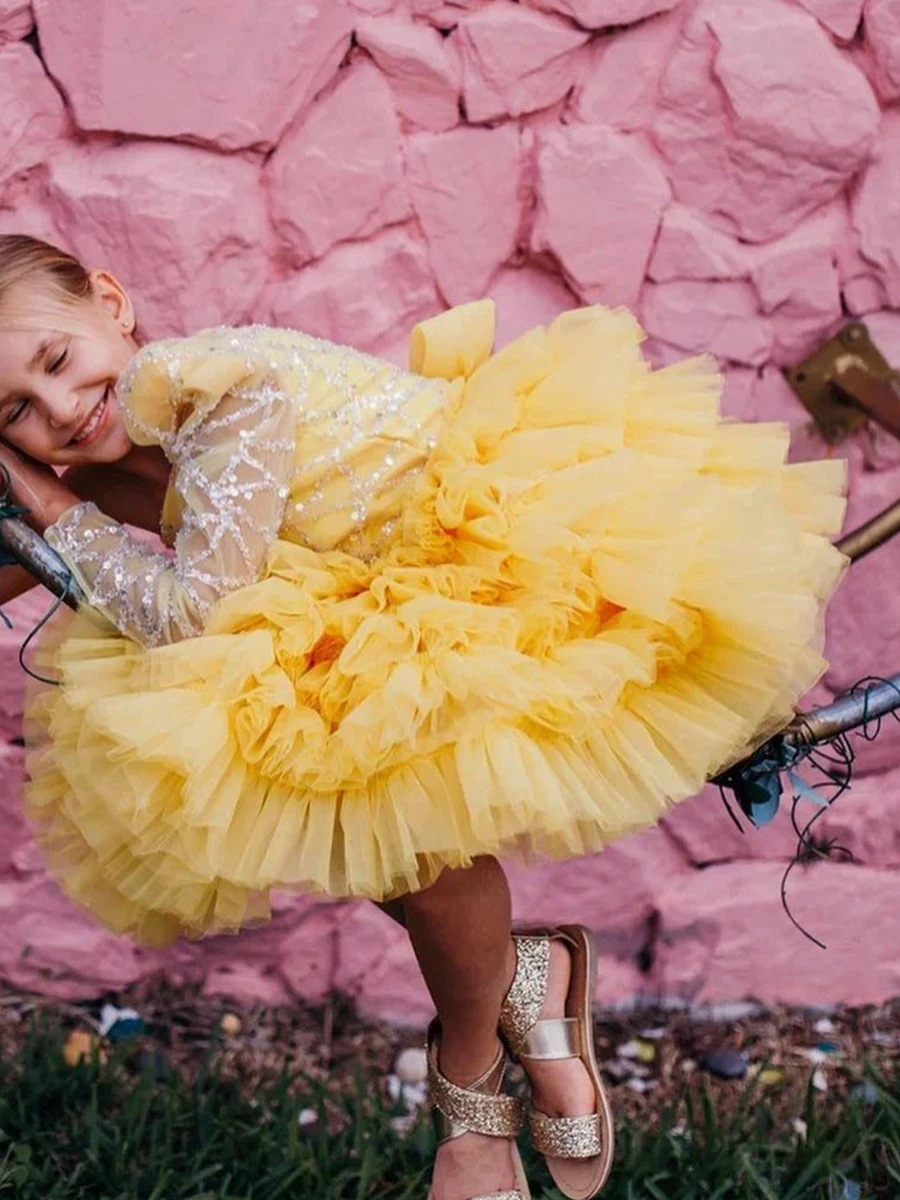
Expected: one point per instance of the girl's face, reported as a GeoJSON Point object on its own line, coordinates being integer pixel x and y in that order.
{"type": "Point", "coordinates": [60, 361]}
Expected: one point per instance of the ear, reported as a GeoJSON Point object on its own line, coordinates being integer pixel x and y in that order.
{"type": "Point", "coordinates": [108, 293]}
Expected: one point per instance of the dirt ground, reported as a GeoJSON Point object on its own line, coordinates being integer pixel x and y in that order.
{"type": "Point", "coordinates": [648, 1056]}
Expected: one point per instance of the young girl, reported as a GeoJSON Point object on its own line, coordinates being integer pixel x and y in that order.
{"type": "Point", "coordinates": [410, 620]}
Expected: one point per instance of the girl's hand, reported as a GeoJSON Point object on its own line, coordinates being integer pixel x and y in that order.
{"type": "Point", "coordinates": [35, 486]}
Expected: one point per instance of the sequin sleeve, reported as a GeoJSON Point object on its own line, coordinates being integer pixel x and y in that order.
{"type": "Point", "coordinates": [232, 472]}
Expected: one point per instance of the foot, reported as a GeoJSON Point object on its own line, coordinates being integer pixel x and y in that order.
{"type": "Point", "coordinates": [561, 1088]}
{"type": "Point", "coordinates": [472, 1165]}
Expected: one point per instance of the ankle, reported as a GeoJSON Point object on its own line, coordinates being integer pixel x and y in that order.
{"type": "Point", "coordinates": [464, 1060]}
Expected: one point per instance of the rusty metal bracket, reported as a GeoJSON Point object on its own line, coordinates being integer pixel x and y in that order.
{"type": "Point", "coordinates": [847, 381]}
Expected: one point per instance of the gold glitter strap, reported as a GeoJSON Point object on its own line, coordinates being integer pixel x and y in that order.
{"type": "Point", "coordinates": [519, 1013]}
{"type": "Point", "coordinates": [515, 1194]}
{"type": "Point", "coordinates": [565, 1137]}
{"type": "Point", "coordinates": [479, 1108]}
{"type": "Point", "coordinates": [466, 1111]}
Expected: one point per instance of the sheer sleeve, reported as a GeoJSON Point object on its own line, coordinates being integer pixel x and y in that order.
{"type": "Point", "coordinates": [232, 459]}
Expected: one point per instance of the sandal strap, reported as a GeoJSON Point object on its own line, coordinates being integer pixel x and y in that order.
{"type": "Point", "coordinates": [553, 1038]}
{"type": "Point", "coordinates": [515, 1194]}
{"type": "Point", "coordinates": [458, 1110]}
{"type": "Point", "coordinates": [520, 1009]}
{"type": "Point", "coordinates": [565, 1137]}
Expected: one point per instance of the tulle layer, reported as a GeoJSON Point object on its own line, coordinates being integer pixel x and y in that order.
{"type": "Point", "coordinates": [601, 595]}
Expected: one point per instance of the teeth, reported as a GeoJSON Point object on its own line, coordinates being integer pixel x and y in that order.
{"type": "Point", "coordinates": [92, 424]}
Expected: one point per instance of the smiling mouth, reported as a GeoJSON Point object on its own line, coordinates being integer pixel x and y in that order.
{"type": "Point", "coordinates": [92, 425]}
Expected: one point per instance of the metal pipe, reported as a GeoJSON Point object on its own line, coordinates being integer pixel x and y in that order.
{"type": "Point", "coordinates": [849, 712]}
{"type": "Point", "coordinates": [878, 397]}
{"type": "Point", "coordinates": [874, 533]}
{"type": "Point", "coordinates": [31, 551]}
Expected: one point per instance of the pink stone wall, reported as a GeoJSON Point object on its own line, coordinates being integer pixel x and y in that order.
{"type": "Point", "coordinates": [730, 168]}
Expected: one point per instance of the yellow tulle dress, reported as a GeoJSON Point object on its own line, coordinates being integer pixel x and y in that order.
{"type": "Point", "coordinates": [510, 603]}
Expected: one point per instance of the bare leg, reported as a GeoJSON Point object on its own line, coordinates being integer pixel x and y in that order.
{"type": "Point", "coordinates": [460, 931]}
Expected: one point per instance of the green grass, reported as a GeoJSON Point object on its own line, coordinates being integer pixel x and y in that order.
{"type": "Point", "coordinates": [109, 1132]}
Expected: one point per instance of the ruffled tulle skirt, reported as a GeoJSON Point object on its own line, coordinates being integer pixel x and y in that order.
{"type": "Point", "coordinates": [600, 595]}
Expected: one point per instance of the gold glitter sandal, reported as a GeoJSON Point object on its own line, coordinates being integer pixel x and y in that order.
{"type": "Point", "coordinates": [479, 1108]}
{"type": "Point", "coordinates": [578, 1150]}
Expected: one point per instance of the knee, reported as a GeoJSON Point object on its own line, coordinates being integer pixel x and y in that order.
{"type": "Point", "coordinates": [451, 884]}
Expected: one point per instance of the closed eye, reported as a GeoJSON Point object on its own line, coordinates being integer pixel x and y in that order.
{"type": "Point", "coordinates": [17, 411]}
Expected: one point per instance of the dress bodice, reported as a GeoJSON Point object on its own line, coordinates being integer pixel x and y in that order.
{"type": "Point", "coordinates": [271, 433]}
{"type": "Point", "coordinates": [363, 427]}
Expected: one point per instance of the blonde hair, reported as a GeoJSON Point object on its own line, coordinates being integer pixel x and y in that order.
{"type": "Point", "coordinates": [23, 259]}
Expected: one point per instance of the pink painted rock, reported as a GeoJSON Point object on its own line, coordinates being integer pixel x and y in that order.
{"type": "Point", "coordinates": [795, 277]}
{"type": "Point", "coordinates": [527, 297]}
{"type": "Point", "coordinates": [614, 893]}
{"type": "Point", "coordinates": [373, 8]}
{"type": "Point", "coordinates": [841, 17]}
{"type": "Point", "coordinates": [773, 399]}
{"type": "Point", "coordinates": [706, 834]}
{"type": "Point", "coordinates": [27, 210]}
{"type": "Point", "coordinates": [761, 120]}
{"type": "Point", "coordinates": [878, 756]}
{"type": "Point", "coordinates": [882, 29]}
{"type": "Point", "coordinates": [24, 613]}
{"type": "Point", "coordinates": [16, 20]}
{"type": "Point", "coordinates": [16, 844]}
{"type": "Point", "coordinates": [262, 945]}
{"type": "Point", "coordinates": [597, 14]}
{"type": "Point", "coordinates": [863, 294]}
{"type": "Point", "coordinates": [864, 820]}
{"type": "Point", "coordinates": [880, 449]}
{"type": "Point", "coordinates": [338, 173]}
{"type": "Point", "coordinates": [516, 61]}
{"type": "Point", "coordinates": [48, 946]}
{"type": "Point", "coordinates": [247, 984]}
{"type": "Point", "coordinates": [862, 283]}
{"type": "Point", "coordinates": [446, 14]}
{"type": "Point", "coordinates": [690, 247]}
{"type": "Point", "coordinates": [422, 68]}
{"type": "Point", "coordinates": [864, 618]}
{"type": "Point", "coordinates": [619, 982]}
{"type": "Point", "coordinates": [603, 247]}
{"type": "Point", "coordinates": [884, 329]}
{"type": "Point", "coordinates": [620, 83]}
{"type": "Point", "coordinates": [737, 392]}
{"type": "Point", "coordinates": [33, 119]}
{"type": "Point", "coordinates": [661, 354]}
{"type": "Point", "coordinates": [465, 188]}
{"type": "Point", "coordinates": [717, 318]}
{"type": "Point", "coordinates": [307, 955]}
{"type": "Point", "coordinates": [361, 293]}
{"type": "Point", "coordinates": [798, 288]}
{"type": "Point", "coordinates": [184, 228]}
{"type": "Point", "coordinates": [377, 969]}
{"type": "Point", "coordinates": [201, 64]}
{"type": "Point", "coordinates": [876, 210]}
{"type": "Point", "coordinates": [724, 936]}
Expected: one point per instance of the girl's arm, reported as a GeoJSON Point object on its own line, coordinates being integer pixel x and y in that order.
{"type": "Point", "coordinates": [118, 494]}
{"type": "Point", "coordinates": [234, 456]}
